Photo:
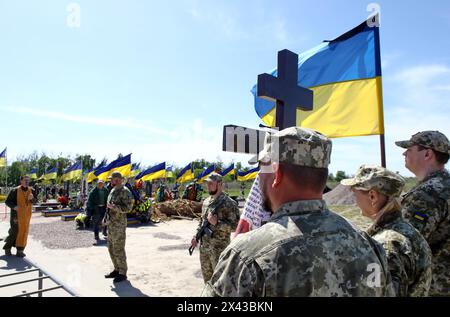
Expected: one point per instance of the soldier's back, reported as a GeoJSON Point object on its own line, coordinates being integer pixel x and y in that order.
{"type": "Point", "coordinates": [305, 250]}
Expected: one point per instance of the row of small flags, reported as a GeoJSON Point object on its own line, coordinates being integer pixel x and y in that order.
{"type": "Point", "coordinates": [124, 166]}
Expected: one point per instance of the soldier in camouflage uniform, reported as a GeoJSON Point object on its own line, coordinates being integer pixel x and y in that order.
{"type": "Point", "coordinates": [119, 203]}
{"type": "Point", "coordinates": [426, 205]}
{"type": "Point", "coordinates": [304, 249]}
{"type": "Point", "coordinates": [222, 214]}
{"type": "Point", "coordinates": [409, 257]}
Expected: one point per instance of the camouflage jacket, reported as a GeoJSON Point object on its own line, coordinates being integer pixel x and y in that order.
{"type": "Point", "coordinates": [408, 253]}
{"type": "Point", "coordinates": [426, 207]}
{"type": "Point", "coordinates": [227, 213]}
{"type": "Point", "coordinates": [304, 250]}
{"type": "Point", "coordinates": [120, 196]}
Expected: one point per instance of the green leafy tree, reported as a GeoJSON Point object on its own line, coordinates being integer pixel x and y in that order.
{"type": "Point", "coordinates": [340, 175]}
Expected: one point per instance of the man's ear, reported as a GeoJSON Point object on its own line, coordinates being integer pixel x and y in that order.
{"type": "Point", "coordinates": [278, 174]}
{"type": "Point", "coordinates": [429, 154]}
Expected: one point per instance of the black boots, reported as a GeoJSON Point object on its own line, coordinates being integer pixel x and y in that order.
{"type": "Point", "coordinates": [120, 278]}
{"type": "Point", "coordinates": [113, 274]}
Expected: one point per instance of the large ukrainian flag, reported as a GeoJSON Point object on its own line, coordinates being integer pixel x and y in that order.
{"type": "Point", "coordinates": [249, 175]}
{"type": "Point", "coordinates": [345, 76]}
{"type": "Point", "coordinates": [72, 173]}
{"type": "Point", "coordinates": [204, 175]}
{"type": "Point", "coordinates": [228, 170]}
{"type": "Point", "coordinates": [3, 158]}
{"type": "Point", "coordinates": [152, 173]}
{"type": "Point", "coordinates": [122, 165]}
{"type": "Point", "coordinates": [186, 174]}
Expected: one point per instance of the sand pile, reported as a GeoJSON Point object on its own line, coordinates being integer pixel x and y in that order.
{"type": "Point", "coordinates": [340, 195]}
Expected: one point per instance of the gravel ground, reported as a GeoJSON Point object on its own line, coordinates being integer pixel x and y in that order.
{"type": "Point", "coordinates": [61, 235]}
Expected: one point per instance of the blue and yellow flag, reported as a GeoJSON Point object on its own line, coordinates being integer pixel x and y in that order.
{"type": "Point", "coordinates": [50, 174]}
{"type": "Point", "coordinates": [345, 76]}
{"type": "Point", "coordinates": [249, 175]}
{"type": "Point", "coordinates": [169, 171]}
{"type": "Point", "coordinates": [3, 158]}
{"type": "Point", "coordinates": [204, 175]}
{"type": "Point", "coordinates": [33, 174]}
{"type": "Point", "coordinates": [152, 173]}
{"type": "Point", "coordinates": [186, 174]}
{"type": "Point", "coordinates": [90, 175]}
{"type": "Point", "coordinates": [122, 165]}
{"type": "Point", "coordinates": [72, 173]}
{"type": "Point", "coordinates": [135, 169]}
{"type": "Point", "coordinates": [229, 170]}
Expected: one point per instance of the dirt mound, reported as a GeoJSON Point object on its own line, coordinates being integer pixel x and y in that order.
{"type": "Point", "coordinates": [178, 207]}
{"type": "Point", "coordinates": [340, 195]}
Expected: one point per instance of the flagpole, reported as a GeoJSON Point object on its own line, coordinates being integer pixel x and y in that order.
{"type": "Point", "coordinates": [6, 170]}
{"type": "Point", "coordinates": [383, 150]}
{"type": "Point", "coordinates": [380, 94]}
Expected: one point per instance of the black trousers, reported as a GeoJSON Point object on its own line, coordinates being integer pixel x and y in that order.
{"type": "Point", "coordinates": [10, 241]}
{"type": "Point", "coordinates": [97, 217]}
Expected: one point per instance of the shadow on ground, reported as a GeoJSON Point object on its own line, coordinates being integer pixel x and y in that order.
{"type": "Point", "coordinates": [13, 263]}
{"type": "Point", "coordinates": [126, 289]}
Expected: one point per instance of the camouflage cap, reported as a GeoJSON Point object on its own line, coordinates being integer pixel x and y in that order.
{"type": "Point", "coordinates": [297, 146]}
{"type": "Point", "coordinates": [434, 140]}
{"type": "Point", "coordinates": [377, 178]}
{"type": "Point", "coordinates": [116, 175]}
{"type": "Point", "coordinates": [214, 177]}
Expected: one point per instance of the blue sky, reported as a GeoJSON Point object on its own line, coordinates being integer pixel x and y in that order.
{"type": "Point", "coordinates": [161, 78]}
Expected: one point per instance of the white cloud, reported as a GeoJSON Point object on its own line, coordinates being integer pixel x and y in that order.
{"type": "Point", "coordinates": [130, 123]}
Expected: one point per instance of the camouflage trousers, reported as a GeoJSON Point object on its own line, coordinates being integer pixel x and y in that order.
{"type": "Point", "coordinates": [209, 256]}
{"type": "Point", "coordinates": [440, 285]}
{"type": "Point", "coordinates": [116, 246]}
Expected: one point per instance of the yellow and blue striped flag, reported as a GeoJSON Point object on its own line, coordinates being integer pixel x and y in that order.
{"type": "Point", "coordinates": [345, 76]}
{"type": "Point", "coordinates": [229, 170]}
{"type": "Point", "coordinates": [33, 174]}
{"type": "Point", "coordinates": [248, 175]}
{"type": "Point", "coordinates": [3, 158]}
{"type": "Point", "coordinates": [121, 165]}
{"type": "Point", "coordinates": [204, 175]}
{"type": "Point", "coordinates": [169, 171]}
{"type": "Point", "coordinates": [50, 174]}
{"type": "Point", "coordinates": [135, 169]}
{"type": "Point", "coordinates": [186, 174]}
{"type": "Point", "coordinates": [72, 173]}
{"type": "Point", "coordinates": [152, 173]}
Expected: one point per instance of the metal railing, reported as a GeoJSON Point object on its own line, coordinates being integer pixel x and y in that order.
{"type": "Point", "coordinates": [42, 275]}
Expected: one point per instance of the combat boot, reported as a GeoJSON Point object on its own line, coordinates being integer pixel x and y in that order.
{"type": "Point", "coordinates": [20, 254]}
{"type": "Point", "coordinates": [120, 278]}
{"type": "Point", "coordinates": [113, 274]}
{"type": "Point", "coordinates": [8, 252]}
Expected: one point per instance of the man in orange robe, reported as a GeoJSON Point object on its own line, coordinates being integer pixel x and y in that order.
{"type": "Point", "coordinates": [20, 200]}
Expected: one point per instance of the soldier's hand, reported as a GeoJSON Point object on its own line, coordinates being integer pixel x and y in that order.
{"type": "Point", "coordinates": [30, 197]}
{"type": "Point", "coordinates": [194, 242]}
{"type": "Point", "coordinates": [212, 219]}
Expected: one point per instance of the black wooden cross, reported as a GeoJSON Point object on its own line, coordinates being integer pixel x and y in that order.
{"type": "Point", "coordinates": [285, 91]}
